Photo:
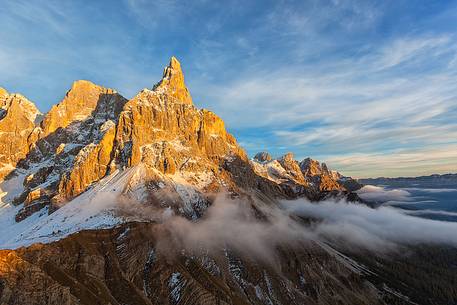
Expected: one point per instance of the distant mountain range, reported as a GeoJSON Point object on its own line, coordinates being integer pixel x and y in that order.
{"type": "Point", "coordinates": [431, 181]}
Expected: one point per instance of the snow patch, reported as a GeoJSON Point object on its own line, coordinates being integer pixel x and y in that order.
{"type": "Point", "coordinates": [94, 209]}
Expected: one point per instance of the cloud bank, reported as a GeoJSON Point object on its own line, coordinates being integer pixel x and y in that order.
{"type": "Point", "coordinates": [233, 224]}
{"type": "Point", "coordinates": [379, 194]}
{"type": "Point", "coordinates": [380, 229]}
{"type": "Point", "coordinates": [236, 225]}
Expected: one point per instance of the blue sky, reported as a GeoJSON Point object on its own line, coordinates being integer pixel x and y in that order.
{"type": "Point", "coordinates": [368, 86]}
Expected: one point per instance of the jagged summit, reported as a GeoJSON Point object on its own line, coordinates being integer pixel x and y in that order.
{"type": "Point", "coordinates": [94, 132]}
{"type": "Point", "coordinates": [262, 156]}
{"type": "Point", "coordinates": [173, 84]}
{"type": "Point", "coordinates": [3, 92]}
{"type": "Point", "coordinates": [17, 121]}
{"type": "Point", "coordinates": [308, 176]}
{"type": "Point", "coordinates": [79, 103]}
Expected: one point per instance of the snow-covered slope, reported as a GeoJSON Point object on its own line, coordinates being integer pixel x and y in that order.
{"type": "Point", "coordinates": [95, 209]}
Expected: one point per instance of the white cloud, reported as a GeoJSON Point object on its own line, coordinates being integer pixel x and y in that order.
{"type": "Point", "coordinates": [403, 50]}
{"type": "Point", "coordinates": [316, 75]}
{"type": "Point", "coordinates": [396, 96]}
{"type": "Point", "coordinates": [380, 229]}
{"type": "Point", "coordinates": [379, 194]}
{"type": "Point", "coordinates": [412, 162]}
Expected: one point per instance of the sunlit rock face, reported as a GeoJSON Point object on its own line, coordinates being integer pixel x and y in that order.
{"type": "Point", "coordinates": [320, 176]}
{"type": "Point", "coordinates": [306, 178]}
{"type": "Point", "coordinates": [82, 101]}
{"type": "Point", "coordinates": [184, 153]}
{"type": "Point", "coordinates": [262, 156]}
{"type": "Point", "coordinates": [17, 122]}
{"type": "Point", "coordinates": [94, 132]}
{"type": "Point", "coordinates": [172, 83]}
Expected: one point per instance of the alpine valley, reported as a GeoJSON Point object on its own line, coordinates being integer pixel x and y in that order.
{"type": "Point", "coordinates": [106, 200]}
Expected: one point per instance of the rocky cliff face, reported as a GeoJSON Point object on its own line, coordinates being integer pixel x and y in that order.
{"type": "Point", "coordinates": [69, 149]}
{"type": "Point", "coordinates": [94, 132]}
{"type": "Point", "coordinates": [17, 122]}
{"type": "Point", "coordinates": [172, 83]}
{"type": "Point", "coordinates": [306, 178]}
{"type": "Point", "coordinates": [126, 266]}
{"type": "Point", "coordinates": [320, 175]}
{"type": "Point", "coordinates": [83, 101]}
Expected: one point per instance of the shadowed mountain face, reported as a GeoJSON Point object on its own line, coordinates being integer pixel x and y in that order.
{"type": "Point", "coordinates": [126, 266]}
{"type": "Point", "coordinates": [88, 189]}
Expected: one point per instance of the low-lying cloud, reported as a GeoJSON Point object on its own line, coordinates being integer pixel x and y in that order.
{"type": "Point", "coordinates": [383, 228]}
{"type": "Point", "coordinates": [235, 225]}
{"type": "Point", "coordinates": [379, 194]}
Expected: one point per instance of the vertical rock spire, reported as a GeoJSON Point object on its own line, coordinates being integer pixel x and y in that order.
{"type": "Point", "coordinates": [172, 82]}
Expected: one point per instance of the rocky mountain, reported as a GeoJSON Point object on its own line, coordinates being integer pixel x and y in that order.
{"type": "Point", "coordinates": [18, 118]}
{"type": "Point", "coordinates": [307, 178]}
{"type": "Point", "coordinates": [88, 190]}
{"type": "Point", "coordinates": [94, 131]}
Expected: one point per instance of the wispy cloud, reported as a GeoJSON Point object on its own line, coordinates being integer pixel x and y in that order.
{"type": "Point", "coordinates": [399, 96]}
{"type": "Point", "coordinates": [322, 78]}
{"type": "Point", "coordinates": [403, 50]}
{"type": "Point", "coordinates": [381, 229]}
{"type": "Point", "coordinates": [413, 162]}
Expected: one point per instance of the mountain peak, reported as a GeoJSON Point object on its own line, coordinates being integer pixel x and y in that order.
{"type": "Point", "coordinates": [174, 63]}
{"type": "Point", "coordinates": [78, 104]}
{"type": "Point", "coordinates": [3, 97]}
{"type": "Point", "coordinates": [3, 92]}
{"type": "Point", "coordinates": [82, 83]}
{"type": "Point", "coordinates": [263, 156]}
{"type": "Point", "coordinates": [173, 84]}
{"type": "Point", "coordinates": [84, 87]}
{"type": "Point", "coordinates": [288, 157]}
{"type": "Point", "coordinates": [17, 121]}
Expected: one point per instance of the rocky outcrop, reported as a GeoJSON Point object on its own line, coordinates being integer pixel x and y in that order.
{"type": "Point", "coordinates": [83, 101]}
{"type": "Point", "coordinates": [172, 83]}
{"type": "Point", "coordinates": [291, 166]}
{"type": "Point", "coordinates": [152, 117]}
{"type": "Point", "coordinates": [319, 175]}
{"type": "Point", "coordinates": [310, 167]}
{"type": "Point", "coordinates": [187, 151]}
{"type": "Point", "coordinates": [262, 156]}
{"type": "Point", "coordinates": [90, 165]}
{"type": "Point", "coordinates": [308, 178]}
{"type": "Point", "coordinates": [17, 122]}
{"type": "Point", "coordinates": [72, 147]}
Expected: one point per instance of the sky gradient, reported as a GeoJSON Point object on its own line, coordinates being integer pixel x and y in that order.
{"type": "Point", "coordinates": [370, 87]}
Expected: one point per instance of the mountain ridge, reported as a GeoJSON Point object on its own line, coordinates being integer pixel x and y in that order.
{"type": "Point", "coordinates": [94, 131]}
{"type": "Point", "coordinates": [432, 181]}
